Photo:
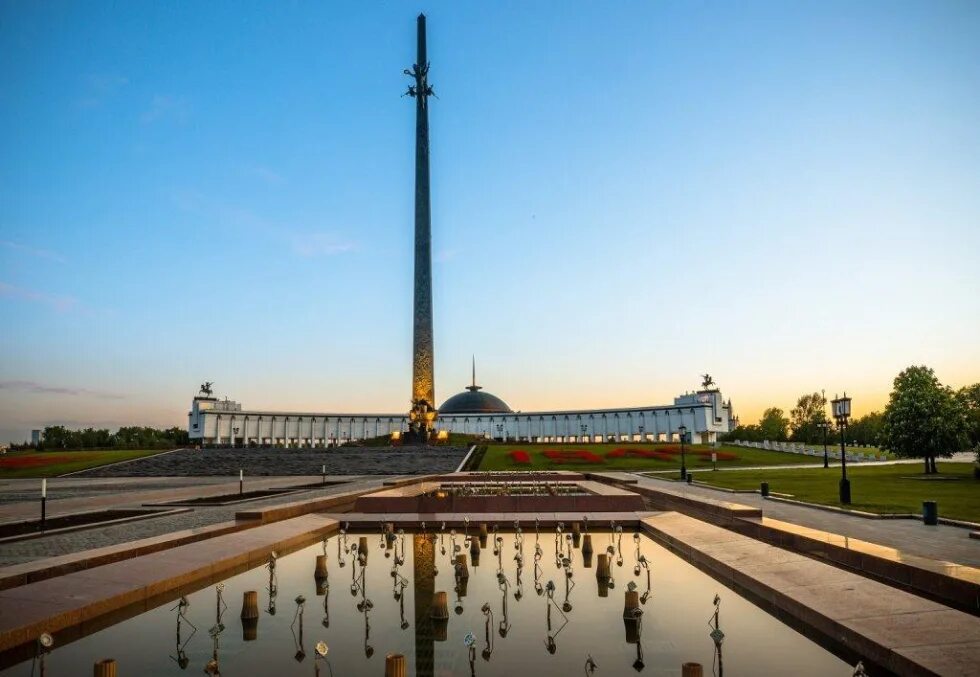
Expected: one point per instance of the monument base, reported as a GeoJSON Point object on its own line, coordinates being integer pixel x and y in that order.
{"type": "Point", "coordinates": [417, 437]}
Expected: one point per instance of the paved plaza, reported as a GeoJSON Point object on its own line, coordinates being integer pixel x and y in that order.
{"type": "Point", "coordinates": [941, 542]}
{"type": "Point", "coordinates": [78, 495]}
{"type": "Point", "coordinates": [302, 461]}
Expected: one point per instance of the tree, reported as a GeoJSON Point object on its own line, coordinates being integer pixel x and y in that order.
{"type": "Point", "coordinates": [970, 398]}
{"type": "Point", "coordinates": [745, 433]}
{"type": "Point", "coordinates": [774, 424]}
{"type": "Point", "coordinates": [810, 410]}
{"type": "Point", "coordinates": [923, 419]}
{"type": "Point", "coordinates": [867, 429]}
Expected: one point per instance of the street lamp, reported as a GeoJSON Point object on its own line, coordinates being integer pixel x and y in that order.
{"type": "Point", "coordinates": [825, 426]}
{"type": "Point", "coordinates": [683, 431]}
{"type": "Point", "coordinates": [842, 411]}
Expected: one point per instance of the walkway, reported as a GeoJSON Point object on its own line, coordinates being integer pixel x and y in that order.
{"type": "Point", "coordinates": [121, 493]}
{"type": "Point", "coordinates": [941, 542]}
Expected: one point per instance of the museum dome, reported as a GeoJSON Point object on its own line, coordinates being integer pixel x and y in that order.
{"type": "Point", "coordinates": [472, 401]}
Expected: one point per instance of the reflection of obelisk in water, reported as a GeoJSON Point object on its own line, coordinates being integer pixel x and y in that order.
{"type": "Point", "coordinates": [423, 380]}
{"type": "Point", "coordinates": [424, 579]}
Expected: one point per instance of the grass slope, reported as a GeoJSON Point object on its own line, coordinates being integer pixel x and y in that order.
{"type": "Point", "coordinates": [53, 463]}
{"type": "Point", "coordinates": [879, 489]}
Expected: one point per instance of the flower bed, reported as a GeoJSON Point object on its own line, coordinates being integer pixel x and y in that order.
{"type": "Point", "coordinates": [520, 457]}
{"type": "Point", "coordinates": [572, 456]}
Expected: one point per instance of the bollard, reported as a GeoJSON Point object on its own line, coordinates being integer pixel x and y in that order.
{"type": "Point", "coordinates": [104, 668]}
{"type": "Point", "coordinates": [250, 629]}
{"type": "Point", "coordinates": [320, 571]}
{"type": "Point", "coordinates": [632, 630]}
{"type": "Point", "coordinates": [602, 566]}
{"type": "Point", "coordinates": [930, 513]}
{"type": "Point", "coordinates": [587, 544]}
{"type": "Point", "coordinates": [250, 605]}
{"type": "Point", "coordinates": [464, 571]}
{"type": "Point", "coordinates": [440, 607]}
{"type": "Point", "coordinates": [395, 665]}
{"type": "Point", "coordinates": [691, 670]}
{"type": "Point", "coordinates": [631, 605]}
{"type": "Point", "coordinates": [764, 490]}
{"type": "Point", "coordinates": [362, 549]}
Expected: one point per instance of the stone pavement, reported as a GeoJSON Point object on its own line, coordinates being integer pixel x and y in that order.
{"type": "Point", "coordinates": [304, 461]}
{"type": "Point", "coordinates": [898, 630]}
{"type": "Point", "coordinates": [940, 542]}
{"type": "Point", "coordinates": [62, 544]}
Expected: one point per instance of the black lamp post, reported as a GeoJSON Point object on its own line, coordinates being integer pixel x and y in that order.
{"type": "Point", "coordinates": [683, 431]}
{"type": "Point", "coordinates": [842, 411]}
{"type": "Point", "coordinates": [825, 426]}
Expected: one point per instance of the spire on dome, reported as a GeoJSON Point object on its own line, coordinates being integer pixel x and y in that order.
{"type": "Point", "coordinates": [474, 387]}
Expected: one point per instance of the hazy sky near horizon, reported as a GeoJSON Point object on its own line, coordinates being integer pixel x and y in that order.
{"type": "Point", "coordinates": [624, 196]}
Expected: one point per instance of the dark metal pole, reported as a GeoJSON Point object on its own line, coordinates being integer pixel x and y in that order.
{"type": "Point", "coordinates": [683, 460]}
{"type": "Point", "coordinates": [845, 484]}
{"type": "Point", "coordinates": [826, 456]}
{"type": "Point", "coordinates": [44, 502]}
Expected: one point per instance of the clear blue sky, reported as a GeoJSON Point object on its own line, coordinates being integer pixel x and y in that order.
{"type": "Point", "coordinates": [625, 195]}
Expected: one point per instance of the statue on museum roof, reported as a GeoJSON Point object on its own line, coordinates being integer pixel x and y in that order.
{"type": "Point", "coordinates": [707, 382]}
{"type": "Point", "coordinates": [206, 389]}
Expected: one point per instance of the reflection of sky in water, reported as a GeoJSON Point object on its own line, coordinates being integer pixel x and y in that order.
{"type": "Point", "coordinates": [674, 622]}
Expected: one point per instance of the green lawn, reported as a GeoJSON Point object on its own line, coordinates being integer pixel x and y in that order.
{"type": "Point", "coordinates": [53, 463]}
{"type": "Point", "coordinates": [498, 457]}
{"type": "Point", "coordinates": [880, 489]}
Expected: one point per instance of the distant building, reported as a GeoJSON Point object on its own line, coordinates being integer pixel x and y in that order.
{"type": "Point", "coordinates": [704, 414]}
{"type": "Point", "coordinates": [36, 437]}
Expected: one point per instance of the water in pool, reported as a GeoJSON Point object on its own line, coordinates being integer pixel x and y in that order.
{"type": "Point", "coordinates": [532, 603]}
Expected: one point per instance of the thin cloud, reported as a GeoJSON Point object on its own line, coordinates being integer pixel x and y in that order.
{"type": "Point", "coordinates": [165, 108]}
{"type": "Point", "coordinates": [33, 251]}
{"type": "Point", "coordinates": [99, 87]}
{"type": "Point", "coordinates": [309, 245]}
{"type": "Point", "coordinates": [40, 388]}
{"type": "Point", "coordinates": [62, 304]}
{"type": "Point", "coordinates": [444, 255]}
{"type": "Point", "coordinates": [265, 174]}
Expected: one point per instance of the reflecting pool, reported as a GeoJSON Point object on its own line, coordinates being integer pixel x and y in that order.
{"type": "Point", "coordinates": [518, 603]}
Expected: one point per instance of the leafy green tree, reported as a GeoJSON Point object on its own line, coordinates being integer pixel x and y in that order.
{"type": "Point", "coordinates": [923, 419]}
{"type": "Point", "coordinates": [810, 410]}
{"type": "Point", "coordinates": [970, 397]}
{"type": "Point", "coordinates": [774, 425]}
{"type": "Point", "coordinates": [867, 429]}
{"type": "Point", "coordinates": [745, 433]}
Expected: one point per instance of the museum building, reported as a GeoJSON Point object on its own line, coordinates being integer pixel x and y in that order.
{"type": "Point", "coordinates": [704, 414]}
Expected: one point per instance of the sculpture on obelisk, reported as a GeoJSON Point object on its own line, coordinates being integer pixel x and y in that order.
{"type": "Point", "coordinates": [423, 413]}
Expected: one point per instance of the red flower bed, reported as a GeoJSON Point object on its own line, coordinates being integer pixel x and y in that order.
{"type": "Point", "coordinates": [640, 453]}
{"type": "Point", "coordinates": [576, 456]}
{"type": "Point", "coordinates": [520, 456]}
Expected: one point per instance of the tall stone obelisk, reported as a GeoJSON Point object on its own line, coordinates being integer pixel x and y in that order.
{"type": "Point", "coordinates": [423, 413]}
